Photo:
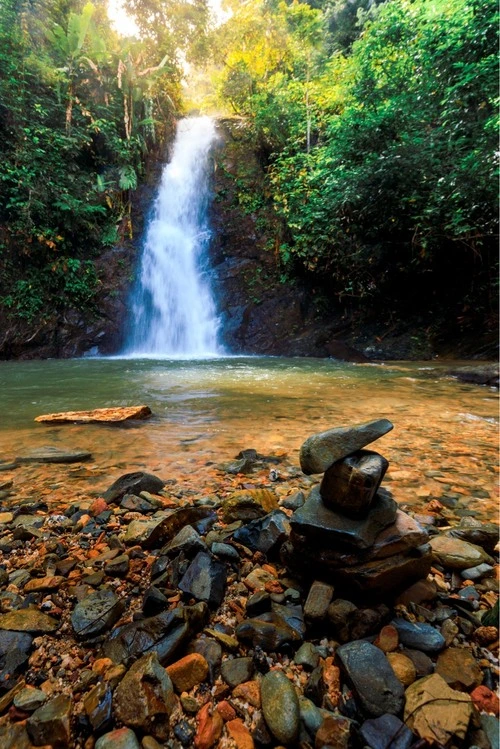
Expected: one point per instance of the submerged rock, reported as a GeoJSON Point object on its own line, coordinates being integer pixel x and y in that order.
{"type": "Point", "coordinates": [109, 415]}
{"type": "Point", "coordinates": [52, 454]}
{"type": "Point", "coordinates": [320, 451]}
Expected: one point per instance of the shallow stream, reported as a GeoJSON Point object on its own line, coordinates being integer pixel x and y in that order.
{"type": "Point", "coordinates": [444, 442]}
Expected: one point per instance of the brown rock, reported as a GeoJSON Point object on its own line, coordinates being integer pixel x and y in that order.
{"type": "Point", "coordinates": [335, 732]}
{"type": "Point", "coordinates": [459, 669]}
{"type": "Point", "coordinates": [485, 635]}
{"type": "Point", "coordinates": [210, 725]}
{"type": "Point", "coordinates": [188, 672]}
{"type": "Point", "coordinates": [485, 700]}
{"type": "Point", "coordinates": [403, 668]}
{"type": "Point", "coordinates": [38, 584]}
{"type": "Point", "coordinates": [240, 734]}
{"type": "Point", "coordinates": [249, 692]}
{"type": "Point", "coordinates": [457, 554]}
{"type": "Point", "coordinates": [51, 723]}
{"type": "Point", "coordinates": [382, 575]}
{"type": "Point", "coordinates": [422, 590]}
{"type": "Point", "coordinates": [435, 712]}
{"type": "Point", "coordinates": [350, 485]}
{"type": "Point", "coordinates": [388, 639]}
{"type": "Point", "coordinates": [109, 415]}
{"type": "Point", "coordinates": [28, 620]}
{"type": "Point", "coordinates": [144, 698]}
{"type": "Point", "coordinates": [226, 711]}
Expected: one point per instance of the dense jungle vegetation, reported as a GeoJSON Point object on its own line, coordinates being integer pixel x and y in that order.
{"type": "Point", "coordinates": [376, 124]}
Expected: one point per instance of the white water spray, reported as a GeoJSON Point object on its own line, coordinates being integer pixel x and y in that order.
{"type": "Point", "coordinates": [173, 312]}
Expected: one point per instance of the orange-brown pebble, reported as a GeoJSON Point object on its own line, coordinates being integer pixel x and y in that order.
{"type": "Point", "coordinates": [188, 671]}
{"type": "Point", "coordinates": [98, 505]}
{"type": "Point", "coordinates": [226, 711]}
{"type": "Point", "coordinates": [273, 586]}
{"type": "Point", "coordinates": [485, 700]}
{"type": "Point", "coordinates": [210, 726]}
{"type": "Point", "coordinates": [101, 665]}
{"type": "Point", "coordinates": [240, 734]}
{"type": "Point", "coordinates": [388, 639]}
{"type": "Point", "coordinates": [248, 691]}
{"type": "Point", "coordinates": [269, 568]}
{"type": "Point", "coordinates": [482, 635]}
{"type": "Point", "coordinates": [404, 669]}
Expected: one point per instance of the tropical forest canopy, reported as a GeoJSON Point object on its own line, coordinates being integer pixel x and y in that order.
{"type": "Point", "coordinates": [376, 126]}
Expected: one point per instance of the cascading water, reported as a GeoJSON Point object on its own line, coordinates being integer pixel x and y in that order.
{"type": "Point", "coordinates": [173, 313]}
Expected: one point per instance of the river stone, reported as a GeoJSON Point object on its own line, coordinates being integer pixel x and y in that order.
{"type": "Point", "coordinates": [187, 541]}
{"type": "Point", "coordinates": [419, 636]}
{"type": "Point", "coordinates": [133, 483]}
{"type": "Point", "coordinates": [138, 531]}
{"type": "Point", "coordinates": [320, 451]}
{"type": "Point", "coordinates": [52, 454]}
{"type": "Point", "coordinates": [188, 671]}
{"type": "Point", "coordinates": [386, 732]}
{"type": "Point", "coordinates": [145, 698]}
{"type": "Point", "coordinates": [372, 677]}
{"type": "Point", "coordinates": [280, 706]}
{"type": "Point", "coordinates": [235, 671]}
{"type": "Point", "coordinates": [323, 526]}
{"type": "Point", "coordinates": [51, 723]}
{"type": "Point", "coordinates": [264, 534]}
{"type": "Point", "coordinates": [476, 532]}
{"type": "Point", "coordinates": [435, 712]}
{"type": "Point", "coordinates": [96, 613]}
{"type": "Point", "coordinates": [28, 620]}
{"type": "Point", "coordinates": [318, 599]}
{"type": "Point", "coordinates": [269, 631]}
{"type": "Point", "coordinates": [307, 656]}
{"type": "Point", "coordinates": [137, 504]}
{"type": "Point", "coordinates": [457, 554]}
{"type": "Point", "coordinates": [170, 526]}
{"type": "Point", "coordinates": [29, 699]}
{"type": "Point", "coordinates": [205, 579]}
{"type": "Point", "coordinates": [120, 738]}
{"type": "Point", "coordinates": [108, 415]}
{"type": "Point", "coordinates": [350, 484]}
{"type": "Point", "coordinates": [459, 669]}
{"type": "Point", "coordinates": [166, 633]}
{"type": "Point", "coordinates": [98, 704]}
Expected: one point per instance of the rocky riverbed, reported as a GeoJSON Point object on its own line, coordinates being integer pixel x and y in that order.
{"type": "Point", "coordinates": [149, 612]}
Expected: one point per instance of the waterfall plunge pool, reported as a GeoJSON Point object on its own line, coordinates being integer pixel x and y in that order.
{"type": "Point", "coordinates": [444, 441]}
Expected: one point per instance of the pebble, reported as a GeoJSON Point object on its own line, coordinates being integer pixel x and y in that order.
{"type": "Point", "coordinates": [386, 732]}
{"type": "Point", "coordinates": [403, 667]}
{"type": "Point", "coordinates": [372, 677]}
{"type": "Point", "coordinates": [188, 672]}
{"type": "Point", "coordinates": [459, 669]}
{"type": "Point", "coordinates": [121, 738]}
{"type": "Point", "coordinates": [419, 636]}
{"type": "Point", "coordinates": [51, 723]}
{"type": "Point", "coordinates": [235, 671]}
{"type": "Point", "coordinates": [280, 707]}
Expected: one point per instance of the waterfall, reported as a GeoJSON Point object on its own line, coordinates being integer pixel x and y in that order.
{"type": "Point", "coordinates": [173, 312]}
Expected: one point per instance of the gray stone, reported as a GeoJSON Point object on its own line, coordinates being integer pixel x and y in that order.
{"type": "Point", "coordinates": [51, 723]}
{"type": "Point", "coordinates": [205, 580]}
{"type": "Point", "coordinates": [120, 738]}
{"type": "Point", "coordinates": [320, 451]}
{"type": "Point", "coordinates": [96, 613]}
{"type": "Point", "coordinates": [166, 633]}
{"type": "Point", "coordinates": [52, 454]}
{"type": "Point", "coordinates": [187, 541]}
{"type": "Point", "coordinates": [226, 551]}
{"type": "Point", "coordinates": [419, 636]}
{"type": "Point", "coordinates": [264, 534]}
{"type": "Point", "coordinates": [307, 656]}
{"type": "Point", "coordinates": [269, 631]}
{"type": "Point", "coordinates": [372, 678]}
{"type": "Point", "coordinates": [145, 698]}
{"type": "Point", "coordinates": [350, 485]}
{"type": "Point", "coordinates": [168, 528]}
{"type": "Point", "coordinates": [117, 566]}
{"type": "Point", "coordinates": [326, 527]}
{"type": "Point", "coordinates": [133, 483]}
{"type": "Point", "coordinates": [386, 732]}
{"type": "Point", "coordinates": [319, 598]}
{"type": "Point", "coordinates": [476, 573]}
{"type": "Point", "coordinates": [235, 671]}
{"type": "Point", "coordinates": [30, 699]}
{"type": "Point", "coordinates": [280, 706]}
{"type": "Point", "coordinates": [293, 502]}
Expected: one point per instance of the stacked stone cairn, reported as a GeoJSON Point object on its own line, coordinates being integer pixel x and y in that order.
{"type": "Point", "coordinates": [350, 531]}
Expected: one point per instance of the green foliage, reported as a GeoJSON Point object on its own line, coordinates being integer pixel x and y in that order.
{"type": "Point", "coordinates": [382, 163]}
{"type": "Point", "coordinates": [80, 110]}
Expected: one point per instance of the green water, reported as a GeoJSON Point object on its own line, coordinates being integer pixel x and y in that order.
{"type": "Point", "coordinates": [207, 411]}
